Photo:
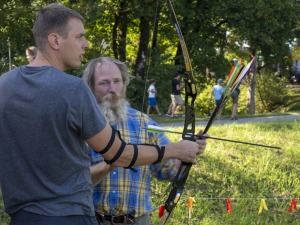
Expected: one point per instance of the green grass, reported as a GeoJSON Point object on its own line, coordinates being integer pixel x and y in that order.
{"type": "Point", "coordinates": [4, 219]}
{"type": "Point", "coordinates": [243, 173]}
{"type": "Point", "coordinates": [166, 119]}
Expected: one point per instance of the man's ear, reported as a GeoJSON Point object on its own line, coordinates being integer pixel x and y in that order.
{"type": "Point", "coordinates": [53, 39]}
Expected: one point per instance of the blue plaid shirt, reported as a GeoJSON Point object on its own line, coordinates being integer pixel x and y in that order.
{"type": "Point", "coordinates": [124, 191]}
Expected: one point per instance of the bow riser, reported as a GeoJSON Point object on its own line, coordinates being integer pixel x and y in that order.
{"type": "Point", "coordinates": [190, 96]}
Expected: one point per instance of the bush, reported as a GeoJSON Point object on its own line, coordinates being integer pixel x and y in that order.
{"type": "Point", "coordinates": [271, 93]}
{"type": "Point", "coordinates": [4, 65]}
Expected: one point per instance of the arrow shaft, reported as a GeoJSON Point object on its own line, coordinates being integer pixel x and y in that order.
{"type": "Point", "coordinates": [240, 142]}
{"type": "Point", "coordinates": [215, 138]}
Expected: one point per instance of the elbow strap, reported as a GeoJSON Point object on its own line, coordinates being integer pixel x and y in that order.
{"type": "Point", "coordinates": [111, 141]}
{"type": "Point", "coordinates": [161, 153]}
{"type": "Point", "coordinates": [134, 158]}
{"type": "Point", "coordinates": [118, 154]}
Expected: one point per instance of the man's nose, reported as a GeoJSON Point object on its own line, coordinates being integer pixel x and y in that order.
{"type": "Point", "coordinates": [85, 44]}
{"type": "Point", "coordinates": [112, 88]}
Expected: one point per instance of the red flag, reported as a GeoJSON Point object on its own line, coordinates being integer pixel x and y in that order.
{"type": "Point", "coordinates": [293, 205]}
{"type": "Point", "coordinates": [161, 211]}
{"type": "Point", "coordinates": [228, 206]}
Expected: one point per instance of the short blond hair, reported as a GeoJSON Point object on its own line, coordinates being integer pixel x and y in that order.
{"type": "Point", "coordinates": [52, 18]}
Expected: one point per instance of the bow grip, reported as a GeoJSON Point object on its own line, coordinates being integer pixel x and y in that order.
{"type": "Point", "coordinates": [178, 186]}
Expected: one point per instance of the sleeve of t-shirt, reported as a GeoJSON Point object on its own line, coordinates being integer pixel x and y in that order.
{"type": "Point", "coordinates": [85, 116]}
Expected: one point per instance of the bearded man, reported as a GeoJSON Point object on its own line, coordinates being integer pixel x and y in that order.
{"type": "Point", "coordinates": [123, 196]}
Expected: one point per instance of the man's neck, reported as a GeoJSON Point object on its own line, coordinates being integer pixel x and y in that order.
{"type": "Point", "coordinates": [46, 60]}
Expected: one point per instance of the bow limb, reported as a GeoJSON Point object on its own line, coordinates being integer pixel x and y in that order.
{"type": "Point", "coordinates": [189, 124]}
{"type": "Point", "coordinates": [190, 87]}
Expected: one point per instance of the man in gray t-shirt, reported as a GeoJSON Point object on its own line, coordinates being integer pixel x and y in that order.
{"type": "Point", "coordinates": [46, 119]}
{"type": "Point", "coordinates": [45, 114]}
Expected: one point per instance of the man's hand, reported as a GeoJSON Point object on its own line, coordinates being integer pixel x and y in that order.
{"type": "Point", "coordinates": [99, 171]}
{"type": "Point", "coordinates": [184, 150]}
{"type": "Point", "coordinates": [201, 141]}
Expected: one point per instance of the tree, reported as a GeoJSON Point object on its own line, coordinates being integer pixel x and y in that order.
{"type": "Point", "coordinates": [214, 31]}
{"type": "Point", "coordinates": [267, 26]}
{"type": "Point", "coordinates": [15, 30]}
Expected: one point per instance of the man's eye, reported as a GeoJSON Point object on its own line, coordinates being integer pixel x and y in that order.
{"type": "Point", "coordinates": [104, 83]}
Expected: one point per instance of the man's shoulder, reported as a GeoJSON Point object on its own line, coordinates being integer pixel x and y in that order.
{"type": "Point", "coordinates": [9, 73]}
{"type": "Point", "coordinates": [134, 114]}
{"type": "Point", "coordinates": [133, 111]}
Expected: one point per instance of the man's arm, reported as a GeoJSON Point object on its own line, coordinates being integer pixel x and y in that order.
{"type": "Point", "coordinates": [99, 171]}
{"type": "Point", "coordinates": [212, 93]}
{"type": "Point", "coordinates": [183, 150]}
{"type": "Point", "coordinates": [152, 90]}
{"type": "Point", "coordinates": [179, 86]}
{"type": "Point", "coordinates": [165, 170]}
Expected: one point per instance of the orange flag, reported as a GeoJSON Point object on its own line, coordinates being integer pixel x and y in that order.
{"type": "Point", "coordinates": [191, 200]}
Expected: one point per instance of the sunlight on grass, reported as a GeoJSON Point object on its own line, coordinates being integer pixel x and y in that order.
{"type": "Point", "coordinates": [243, 173]}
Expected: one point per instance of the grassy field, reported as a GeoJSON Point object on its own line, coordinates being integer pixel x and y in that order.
{"type": "Point", "coordinates": [243, 173]}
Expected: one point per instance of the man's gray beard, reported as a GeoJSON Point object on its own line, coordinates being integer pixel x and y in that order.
{"type": "Point", "coordinates": [114, 108]}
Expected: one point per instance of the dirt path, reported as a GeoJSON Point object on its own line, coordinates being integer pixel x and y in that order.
{"type": "Point", "coordinates": [220, 121]}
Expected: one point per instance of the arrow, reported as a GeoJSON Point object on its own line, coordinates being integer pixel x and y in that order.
{"type": "Point", "coordinates": [153, 128]}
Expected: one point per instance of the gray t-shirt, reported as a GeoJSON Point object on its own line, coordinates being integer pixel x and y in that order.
{"type": "Point", "coordinates": [45, 117]}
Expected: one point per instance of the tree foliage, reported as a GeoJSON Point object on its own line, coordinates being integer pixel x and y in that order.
{"type": "Point", "coordinates": [141, 33]}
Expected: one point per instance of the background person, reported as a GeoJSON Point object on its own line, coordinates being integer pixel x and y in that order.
{"type": "Point", "coordinates": [217, 91]}
{"type": "Point", "coordinates": [47, 117]}
{"type": "Point", "coordinates": [152, 98]}
{"type": "Point", "coordinates": [235, 98]}
{"type": "Point", "coordinates": [169, 112]}
{"type": "Point", "coordinates": [124, 193]}
{"type": "Point", "coordinates": [177, 101]}
{"type": "Point", "coordinates": [31, 52]}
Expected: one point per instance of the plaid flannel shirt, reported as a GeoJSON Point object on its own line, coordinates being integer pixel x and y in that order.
{"type": "Point", "coordinates": [124, 191]}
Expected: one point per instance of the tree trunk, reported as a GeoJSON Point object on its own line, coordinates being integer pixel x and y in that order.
{"type": "Point", "coordinates": [114, 36]}
{"type": "Point", "coordinates": [155, 29]}
{"type": "Point", "coordinates": [119, 32]}
{"type": "Point", "coordinates": [143, 47]}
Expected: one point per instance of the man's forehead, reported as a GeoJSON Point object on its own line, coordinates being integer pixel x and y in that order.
{"type": "Point", "coordinates": [76, 25]}
{"type": "Point", "coordinates": [103, 66]}
{"type": "Point", "coordinates": [107, 68]}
